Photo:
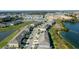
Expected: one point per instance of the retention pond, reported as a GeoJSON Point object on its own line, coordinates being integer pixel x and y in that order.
{"type": "Point", "coordinates": [72, 36]}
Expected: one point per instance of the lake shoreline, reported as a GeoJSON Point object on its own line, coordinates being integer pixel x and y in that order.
{"type": "Point", "coordinates": [71, 36]}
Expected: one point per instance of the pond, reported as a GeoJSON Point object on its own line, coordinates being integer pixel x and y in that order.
{"type": "Point", "coordinates": [72, 36]}
{"type": "Point", "coordinates": [5, 34]}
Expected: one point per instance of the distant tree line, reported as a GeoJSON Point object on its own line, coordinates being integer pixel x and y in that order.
{"type": "Point", "coordinates": [8, 18]}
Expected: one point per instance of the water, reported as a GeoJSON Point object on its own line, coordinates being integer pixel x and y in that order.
{"type": "Point", "coordinates": [72, 26]}
{"type": "Point", "coordinates": [3, 35]}
{"type": "Point", "coordinates": [73, 35]}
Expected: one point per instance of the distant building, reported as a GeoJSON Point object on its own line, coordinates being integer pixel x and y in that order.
{"type": "Point", "coordinates": [13, 44]}
{"type": "Point", "coordinates": [2, 25]}
{"type": "Point", "coordinates": [10, 23]}
{"type": "Point", "coordinates": [3, 16]}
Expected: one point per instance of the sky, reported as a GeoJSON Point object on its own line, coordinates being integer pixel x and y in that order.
{"type": "Point", "coordinates": [39, 5]}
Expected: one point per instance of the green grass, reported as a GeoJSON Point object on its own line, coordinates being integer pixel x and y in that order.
{"type": "Point", "coordinates": [17, 27]}
{"type": "Point", "coordinates": [6, 40]}
{"type": "Point", "coordinates": [58, 21]}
